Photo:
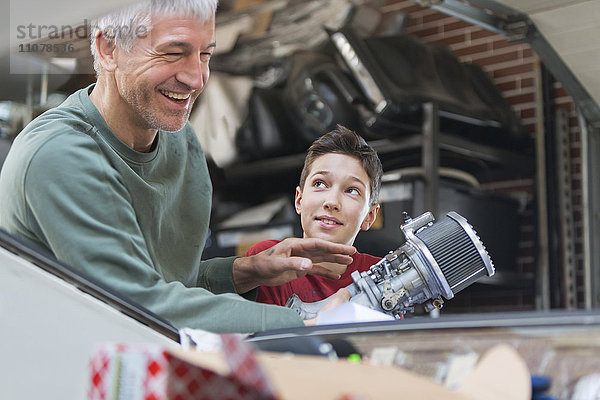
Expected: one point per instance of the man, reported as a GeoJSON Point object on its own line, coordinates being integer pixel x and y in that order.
{"type": "Point", "coordinates": [114, 182]}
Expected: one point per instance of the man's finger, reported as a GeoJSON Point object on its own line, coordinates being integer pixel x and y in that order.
{"type": "Point", "coordinates": [322, 271]}
{"type": "Point", "coordinates": [311, 246]}
{"type": "Point", "coordinates": [337, 248]}
{"type": "Point", "coordinates": [331, 258]}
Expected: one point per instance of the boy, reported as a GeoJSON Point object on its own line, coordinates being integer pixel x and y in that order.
{"type": "Point", "coordinates": [337, 197]}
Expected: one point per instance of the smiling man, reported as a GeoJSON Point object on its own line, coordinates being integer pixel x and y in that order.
{"type": "Point", "coordinates": [115, 183]}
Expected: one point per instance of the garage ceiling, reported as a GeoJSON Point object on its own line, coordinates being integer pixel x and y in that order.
{"type": "Point", "coordinates": [562, 32]}
{"type": "Point", "coordinates": [572, 28]}
{"type": "Point", "coordinates": [569, 30]}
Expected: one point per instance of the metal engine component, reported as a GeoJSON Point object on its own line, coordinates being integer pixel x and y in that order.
{"type": "Point", "coordinates": [436, 261]}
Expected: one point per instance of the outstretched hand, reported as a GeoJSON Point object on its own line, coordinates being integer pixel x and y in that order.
{"type": "Point", "coordinates": [288, 260]}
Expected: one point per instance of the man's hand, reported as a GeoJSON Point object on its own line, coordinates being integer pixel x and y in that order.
{"type": "Point", "coordinates": [288, 260]}
{"type": "Point", "coordinates": [340, 297]}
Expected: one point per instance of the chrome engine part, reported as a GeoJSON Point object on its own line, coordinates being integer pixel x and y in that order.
{"type": "Point", "coordinates": [437, 260]}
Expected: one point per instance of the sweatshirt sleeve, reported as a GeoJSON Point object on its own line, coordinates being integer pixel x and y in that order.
{"type": "Point", "coordinates": [78, 207]}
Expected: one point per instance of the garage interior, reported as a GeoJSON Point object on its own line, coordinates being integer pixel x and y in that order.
{"type": "Point", "coordinates": [489, 108]}
{"type": "Point", "coordinates": [539, 162]}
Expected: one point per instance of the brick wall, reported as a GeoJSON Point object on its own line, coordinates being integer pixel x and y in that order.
{"type": "Point", "coordinates": [512, 67]}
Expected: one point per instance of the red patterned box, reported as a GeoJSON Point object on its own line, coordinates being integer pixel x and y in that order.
{"type": "Point", "coordinates": [124, 372]}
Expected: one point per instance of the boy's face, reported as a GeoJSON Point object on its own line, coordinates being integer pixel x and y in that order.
{"type": "Point", "coordinates": [334, 203]}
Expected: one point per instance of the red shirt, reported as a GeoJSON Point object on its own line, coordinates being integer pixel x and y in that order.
{"type": "Point", "coordinates": [309, 288]}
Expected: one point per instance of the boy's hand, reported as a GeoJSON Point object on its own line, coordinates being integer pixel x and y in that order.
{"type": "Point", "coordinates": [340, 297]}
{"type": "Point", "coordinates": [288, 260]}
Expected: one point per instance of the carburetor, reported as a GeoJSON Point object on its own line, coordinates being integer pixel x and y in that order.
{"type": "Point", "coordinates": [436, 261]}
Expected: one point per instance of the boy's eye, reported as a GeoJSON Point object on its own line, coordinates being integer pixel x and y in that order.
{"type": "Point", "coordinates": [354, 191]}
{"type": "Point", "coordinates": [319, 184]}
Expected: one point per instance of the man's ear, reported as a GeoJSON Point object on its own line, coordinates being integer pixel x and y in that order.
{"type": "Point", "coordinates": [106, 51]}
{"type": "Point", "coordinates": [298, 200]}
{"type": "Point", "coordinates": [370, 218]}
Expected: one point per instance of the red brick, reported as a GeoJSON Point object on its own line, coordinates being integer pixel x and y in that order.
{"type": "Point", "coordinates": [506, 86]}
{"type": "Point", "coordinates": [574, 122]}
{"type": "Point", "coordinates": [517, 69]}
{"type": "Point", "coordinates": [482, 33]}
{"type": "Point", "coordinates": [576, 153]}
{"type": "Point", "coordinates": [530, 128]}
{"type": "Point", "coordinates": [560, 92]}
{"type": "Point", "coordinates": [528, 52]}
{"type": "Point", "coordinates": [527, 113]}
{"type": "Point", "coordinates": [481, 48]}
{"type": "Point", "coordinates": [436, 16]}
{"type": "Point", "coordinates": [527, 82]}
{"type": "Point", "coordinates": [412, 25]}
{"type": "Point", "coordinates": [423, 33]}
{"type": "Point", "coordinates": [564, 101]}
{"type": "Point", "coordinates": [452, 40]}
{"type": "Point", "coordinates": [456, 25]}
{"type": "Point", "coordinates": [503, 43]}
{"type": "Point", "coordinates": [499, 58]}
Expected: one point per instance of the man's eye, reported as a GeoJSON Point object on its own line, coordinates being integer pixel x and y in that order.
{"type": "Point", "coordinates": [205, 57]}
{"type": "Point", "coordinates": [172, 56]}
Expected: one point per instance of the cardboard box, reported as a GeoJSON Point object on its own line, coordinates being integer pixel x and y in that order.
{"type": "Point", "coordinates": [120, 372]}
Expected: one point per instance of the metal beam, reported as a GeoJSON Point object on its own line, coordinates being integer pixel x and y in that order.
{"type": "Point", "coordinates": [430, 156]}
{"type": "Point", "coordinates": [469, 14]}
{"type": "Point", "coordinates": [590, 176]}
{"type": "Point", "coordinates": [543, 242]}
{"type": "Point", "coordinates": [563, 176]}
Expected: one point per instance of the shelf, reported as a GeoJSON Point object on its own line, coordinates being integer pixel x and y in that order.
{"type": "Point", "coordinates": [495, 157]}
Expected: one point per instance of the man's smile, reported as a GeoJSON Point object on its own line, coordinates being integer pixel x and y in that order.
{"type": "Point", "coordinates": [178, 97]}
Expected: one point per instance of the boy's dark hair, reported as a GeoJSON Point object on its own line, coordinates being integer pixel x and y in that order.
{"type": "Point", "coordinates": [344, 141]}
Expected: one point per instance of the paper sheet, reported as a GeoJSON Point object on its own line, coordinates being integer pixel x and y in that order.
{"type": "Point", "coordinates": [351, 312]}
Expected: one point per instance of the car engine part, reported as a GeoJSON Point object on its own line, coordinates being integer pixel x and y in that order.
{"type": "Point", "coordinates": [436, 260]}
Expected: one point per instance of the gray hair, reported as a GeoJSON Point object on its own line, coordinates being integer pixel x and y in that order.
{"type": "Point", "coordinates": [124, 26]}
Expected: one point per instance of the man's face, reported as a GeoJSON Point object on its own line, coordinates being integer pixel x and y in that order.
{"type": "Point", "coordinates": [334, 203]}
{"type": "Point", "coordinates": [163, 74]}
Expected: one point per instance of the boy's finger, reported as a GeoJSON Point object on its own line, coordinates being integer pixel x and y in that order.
{"type": "Point", "coordinates": [339, 297]}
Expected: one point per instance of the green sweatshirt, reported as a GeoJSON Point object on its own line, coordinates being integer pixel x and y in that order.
{"type": "Point", "coordinates": [135, 221]}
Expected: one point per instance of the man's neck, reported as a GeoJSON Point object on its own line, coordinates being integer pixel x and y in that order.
{"type": "Point", "coordinates": [118, 118]}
